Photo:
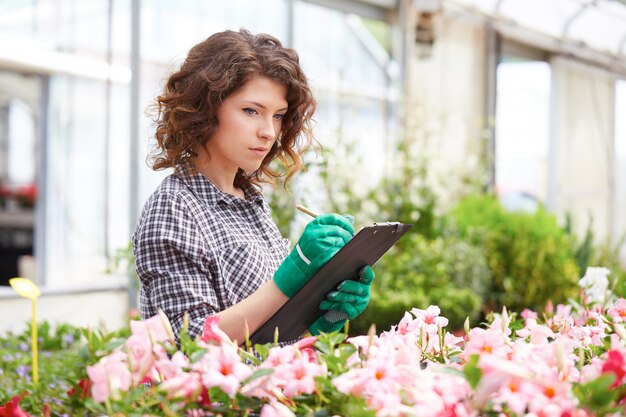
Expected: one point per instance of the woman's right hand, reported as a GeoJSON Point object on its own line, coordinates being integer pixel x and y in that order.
{"type": "Point", "coordinates": [321, 239]}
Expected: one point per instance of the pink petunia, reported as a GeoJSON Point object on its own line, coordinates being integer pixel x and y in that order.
{"type": "Point", "coordinates": [430, 317]}
{"type": "Point", "coordinates": [529, 314]}
{"type": "Point", "coordinates": [300, 376]}
{"type": "Point", "coordinates": [486, 342]}
{"type": "Point", "coordinates": [618, 311]}
{"type": "Point", "coordinates": [212, 332]}
{"type": "Point", "coordinates": [140, 355]}
{"type": "Point", "coordinates": [276, 409]}
{"type": "Point", "coordinates": [221, 367]}
{"type": "Point", "coordinates": [537, 333]}
{"type": "Point", "coordinates": [109, 376]}
{"type": "Point", "coordinates": [157, 328]}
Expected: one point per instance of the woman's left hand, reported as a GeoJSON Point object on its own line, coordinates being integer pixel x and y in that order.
{"type": "Point", "coordinates": [348, 301]}
{"type": "Point", "coordinates": [351, 297]}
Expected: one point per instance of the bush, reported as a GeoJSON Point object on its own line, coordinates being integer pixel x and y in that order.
{"type": "Point", "coordinates": [530, 257]}
{"type": "Point", "coordinates": [445, 271]}
{"type": "Point", "coordinates": [607, 254]}
{"type": "Point", "coordinates": [589, 253]}
{"type": "Point", "coordinates": [60, 367]}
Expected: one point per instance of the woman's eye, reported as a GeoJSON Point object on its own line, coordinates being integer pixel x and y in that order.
{"type": "Point", "coordinates": [250, 110]}
{"type": "Point", "coordinates": [279, 116]}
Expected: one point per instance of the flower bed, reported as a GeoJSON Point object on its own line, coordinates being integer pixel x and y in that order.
{"type": "Point", "coordinates": [565, 362]}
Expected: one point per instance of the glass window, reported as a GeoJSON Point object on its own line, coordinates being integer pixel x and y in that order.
{"type": "Point", "coordinates": [620, 159]}
{"type": "Point", "coordinates": [522, 131]}
{"type": "Point", "coordinates": [75, 222]}
{"type": "Point", "coordinates": [21, 146]}
{"type": "Point", "coordinates": [346, 63]}
{"type": "Point", "coordinates": [170, 28]}
{"type": "Point", "coordinates": [340, 56]}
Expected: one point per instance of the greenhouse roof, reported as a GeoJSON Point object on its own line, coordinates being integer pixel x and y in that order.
{"type": "Point", "coordinates": [593, 30]}
{"type": "Point", "coordinates": [597, 24]}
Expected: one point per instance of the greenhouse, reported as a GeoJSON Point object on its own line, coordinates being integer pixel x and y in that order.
{"type": "Point", "coordinates": [494, 127]}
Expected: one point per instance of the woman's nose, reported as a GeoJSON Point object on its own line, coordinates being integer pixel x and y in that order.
{"type": "Point", "coordinates": [267, 130]}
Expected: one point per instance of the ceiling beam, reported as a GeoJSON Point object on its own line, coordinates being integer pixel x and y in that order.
{"type": "Point", "coordinates": [361, 8]}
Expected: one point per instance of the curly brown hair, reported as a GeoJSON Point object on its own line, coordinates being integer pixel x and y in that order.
{"type": "Point", "coordinates": [213, 70]}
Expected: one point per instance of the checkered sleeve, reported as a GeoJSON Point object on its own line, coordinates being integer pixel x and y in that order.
{"type": "Point", "coordinates": [171, 261]}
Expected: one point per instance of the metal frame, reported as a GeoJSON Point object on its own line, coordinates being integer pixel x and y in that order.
{"type": "Point", "coordinates": [362, 8]}
{"type": "Point", "coordinates": [492, 55]}
{"type": "Point", "coordinates": [510, 30]}
{"type": "Point", "coordinates": [41, 211]}
{"type": "Point", "coordinates": [135, 65]}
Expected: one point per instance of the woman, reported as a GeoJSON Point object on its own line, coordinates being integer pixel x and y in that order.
{"type": "Point", "coordinates": [205, 243]}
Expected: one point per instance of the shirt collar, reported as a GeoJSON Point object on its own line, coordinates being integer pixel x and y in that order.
{"type": "Point", "coordinates": [208, 192]}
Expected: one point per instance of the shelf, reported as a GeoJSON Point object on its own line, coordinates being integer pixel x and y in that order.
{"type": "Point", "coordinates": [17, 219]}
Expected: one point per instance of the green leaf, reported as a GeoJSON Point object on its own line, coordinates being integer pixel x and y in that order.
{"type": "Point", "coordinates": [450, 371]}
{"type": "Point", "coordinates": [113, 344]}
{"type": "Point", "coordinates": [247, 356]}
{"type": "Point", "coordinates": [472, 372]}
{"type": "Point", "coordinates": [248, 402]}
{"type": "Point", "coordinates": [197, 355]}
{"type": "Point", "coordinates": [263, 350]}
{"type": "Point", "coordinates": [596, 395]}
{"type": "Point", "coordinates": [257, 374]}
{"type": "Point", "coordinates": [336, 338]}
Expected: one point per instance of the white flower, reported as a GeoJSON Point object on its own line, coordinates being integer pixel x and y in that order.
{"type": "Point", "coordinates": [596, 284]}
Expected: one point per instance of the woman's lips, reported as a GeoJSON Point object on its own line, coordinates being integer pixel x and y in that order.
{"type": "Point", "coordinates": [259, 151]}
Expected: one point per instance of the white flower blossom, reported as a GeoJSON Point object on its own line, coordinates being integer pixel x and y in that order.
{"type": "Point", "coordinates": [596, 284]}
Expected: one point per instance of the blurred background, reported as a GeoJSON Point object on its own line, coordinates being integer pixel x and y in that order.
{"type": "Point", "coordinates": [492, 125]}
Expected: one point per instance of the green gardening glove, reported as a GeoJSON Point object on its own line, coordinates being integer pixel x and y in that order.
{"type": "Point", "coordinates": [321, 239]}
{"type": "Point", "coordinates": [347, 302]}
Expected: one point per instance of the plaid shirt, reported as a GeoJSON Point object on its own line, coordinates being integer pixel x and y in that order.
{"type": "Point", "coordinates": [200, 250]}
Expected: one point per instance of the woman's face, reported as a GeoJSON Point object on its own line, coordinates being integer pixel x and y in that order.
{"type": "Point", "coordinates": [249, 122]}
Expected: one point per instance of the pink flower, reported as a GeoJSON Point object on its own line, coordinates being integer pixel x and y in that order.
{"type": "Point", "coordinates": [538, 333]}
{"type": "Point", "coordinates": [305, 342]}
{"type": "Point", "coordinates": [305, 346]}
{"type": "Point", "coordinates": [430, 317]}
{"type": "Point", "coordinates": [452, 342]}
{"type": "Point", "coordinates": [514, 393]}
{"type": "Point", "coordinates": [177, 382]}
{"type": "Point", "coordinates": [365, 343]}
{"type": "Point", "coordinates": [550, 398]}
{"type": "Point", "coordinates": [276, 409]}
{"type": "Point", "coordinates": [596, 335]}
{"type": "Point", "coordinates": [299, 376]}
{"type": "Point", "coordinates": [486, 342]}
{"type": "Point", "coordinates": [528, 314]}
{"type": "Point", "coordinates": [294, 372]}
{"type": "Point", "coordinates": [221, 367]}
{"type": "Point", "coordinates": [384, 372]}
{"type": "Point", "coordinates": [618, 311]}
{"type": "Point", "coordinates": [109, 376]}
{"type": "Point", "coordinates": [157, 328]}
{"type": "Point", "coordinates": [355, 381]}
{"type": "Point", "coordinates": [212, 332]}
{"type": "Point", "coordinates": [140, 355]}
{"type": "Point", "coordinates": [388, 403]}
{"type": "Point", "coordinates": [406, 325]}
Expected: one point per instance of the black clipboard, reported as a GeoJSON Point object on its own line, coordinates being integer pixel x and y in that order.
{"type": "Point", "coordinates": [297, 314]}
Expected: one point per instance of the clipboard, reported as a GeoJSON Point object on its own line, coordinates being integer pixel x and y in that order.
{"type": "Point", "coordinates": [297, 314]}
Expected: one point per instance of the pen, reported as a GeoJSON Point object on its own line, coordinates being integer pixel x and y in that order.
{"type": "Point", "coordinates": [306, 210]}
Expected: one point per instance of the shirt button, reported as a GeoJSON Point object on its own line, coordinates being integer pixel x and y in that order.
{"type": "Point", "coordinates": [271, 249]}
